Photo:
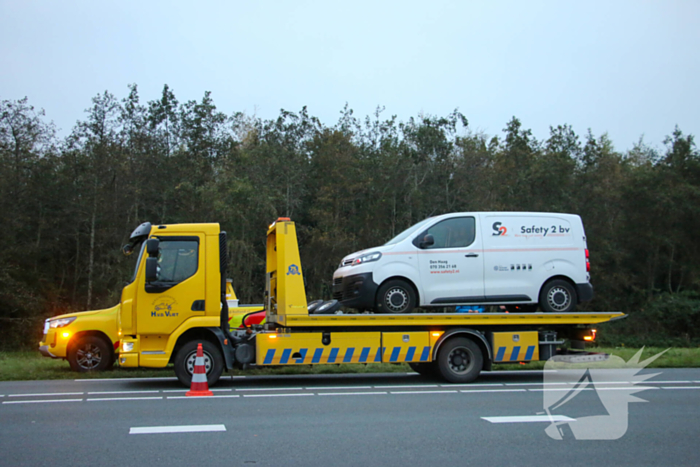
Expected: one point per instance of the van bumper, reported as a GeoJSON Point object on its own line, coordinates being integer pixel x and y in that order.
{"type": "Point", "coordinates": [355, 291]}
{"type": "Point", "coordinates": [584, 292]}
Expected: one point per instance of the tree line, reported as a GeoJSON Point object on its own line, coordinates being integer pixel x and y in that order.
{"type": "Point", "coordinates": [68, 204]}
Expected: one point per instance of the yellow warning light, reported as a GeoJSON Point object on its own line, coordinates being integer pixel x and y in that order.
{"type": "Point", "coordinates": [436, 334]}
{"type": "Point", "coordinates": [273, 336]}
{"type": "Point", "coordinates": [66, 334]}
{"type": "Point", "coordinates": [588, 338]}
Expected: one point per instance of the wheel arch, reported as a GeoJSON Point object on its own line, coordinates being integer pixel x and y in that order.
{"type": "Point", "coordinates": [400, 278]}
{"type": "Point", "coordinates": [92, 333]}
{"type": "Point", "coordinates": [476, 336]}
{"type": "Point", "coordinates": [554, 278]}
{"type": "Point", "coordinates": [194, 334]}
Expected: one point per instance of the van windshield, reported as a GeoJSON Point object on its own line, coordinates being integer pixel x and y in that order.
{"type": "Point", "coordinates": [408, 232]}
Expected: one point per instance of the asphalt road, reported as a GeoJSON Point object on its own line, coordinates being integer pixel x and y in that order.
{"type": "Point", "coordinates": [390, 419]}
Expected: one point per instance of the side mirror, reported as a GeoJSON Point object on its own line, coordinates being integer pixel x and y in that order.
{"type": "Point", "coordinates": [152, 246]}
{"type": "Point", "coordinates": [428, 240]}
{"type": "Point", "coordinates": [127, 249]}
{"type": "Point", "coordinates": [152, 269]}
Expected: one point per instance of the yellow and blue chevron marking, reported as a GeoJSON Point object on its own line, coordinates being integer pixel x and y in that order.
{"type": "Point", "coordinates": [347, 355]}
{"type": "Point", "coordinates": [516, 355]}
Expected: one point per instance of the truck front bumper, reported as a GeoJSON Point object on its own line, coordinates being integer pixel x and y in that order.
{"type": "Point", "coordinates": [44, 349]}
{"type": "Point", "coordinates": [54, 345]}
{"type": "Point", "coordinates": [355, 291]}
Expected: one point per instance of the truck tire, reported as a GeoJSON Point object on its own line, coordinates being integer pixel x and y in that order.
{"type": "Point", "coordinates": [396, 296]}
{"type": "Point", "coordinates": [90, 353]}
{"type": "Point", "coordinates": [423, 368]}
{"type": "Point", "coordinates": [460, 360]}
{"type": "Point", "coordinates": [558, 296]}
{"type": "Point", "coordinates": [185, 360]}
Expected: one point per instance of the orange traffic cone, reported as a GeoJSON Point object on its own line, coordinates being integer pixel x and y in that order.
{"type": "Point", "coordinates": [200, 386]}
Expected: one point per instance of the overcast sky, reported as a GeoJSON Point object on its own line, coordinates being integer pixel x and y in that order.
{"type": "Point", "coordinates": [623, 67]}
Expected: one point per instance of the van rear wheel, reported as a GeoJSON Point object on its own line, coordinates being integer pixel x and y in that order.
{"type": "Point", "coordinates": [558, 296]}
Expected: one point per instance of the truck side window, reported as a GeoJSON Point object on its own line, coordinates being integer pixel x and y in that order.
{"type": "Point", "coordinates": [177, 260]}
{"type": "Point", "coordinates": [457, 232]}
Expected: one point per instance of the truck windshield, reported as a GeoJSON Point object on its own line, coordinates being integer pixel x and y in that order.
{"type": "Point", "coordinates": [408, 232]}
{"type": "Point", "coordinates": [138, 261]}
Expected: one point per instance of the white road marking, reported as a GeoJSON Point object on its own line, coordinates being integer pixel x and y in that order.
{"type": "Point", "coordinates": [680, 387]}
{"type": "Point", "coordinates": [412, 373]}
{"type": "Point", "coordinates": [279, 395]}
{"type": "Point", "coordinates": [492, 390]}
{"type": "Point", "coordinates": [145, 430]}
{"type": "Point", "coordinates": [469, 385]}
{"type": "Point", "coordinates": [124, 399]}
{"type": "Point", "coordinates": [557, 389]}
{"type": "Point", "coordinates": [667, 382]}
{"type": "Point", "coordinates": [121, 392]}
{"type": "Point", "coordinates": [407, 386]}
{"type": "Point", "coordinates": [225, 396]}
{"type": "Point", "coordinates": [124, 379]}
{"type": "Point", "coordinates": [529, 419]}
{"type": "Point", "coordinates": [270, 389]}
{"type": "Point", "coordinates": [536, 384]}
{"type": "Point", "coordinates": [325, 388]}
{"type": "Point", "coordinates": [175, 390]}
{"type": "Point", "coordinates": [350, 393]}
{"type": "Point", "coordinates": [424, 392]}
{"type": "Point", "coordinates": [221, 390]}
{"type": "Point", "coordinates": [639, 386]}
{"type": "Point", "coordinates": [516, 372]}
{"type": "Point", "coordinates": [42, 402]}
{"type": "Point", "coordinates": [49, 394]}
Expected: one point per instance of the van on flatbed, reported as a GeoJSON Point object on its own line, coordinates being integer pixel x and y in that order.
{"type": "Point", "coordinates": [520, 260]}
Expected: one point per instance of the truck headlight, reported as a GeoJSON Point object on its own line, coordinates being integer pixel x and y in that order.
{"type": "Point", "coordinates": [59, 323]}
{"type": "Point", "coordinates": [128, 346]}
{"type": "Point", "coordinates": [366, 258]}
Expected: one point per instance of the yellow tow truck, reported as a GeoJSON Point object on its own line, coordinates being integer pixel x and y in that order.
{"type": "Point", "coordinates": [178, 299]}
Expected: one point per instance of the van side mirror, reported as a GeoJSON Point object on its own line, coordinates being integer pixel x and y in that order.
{"type": "Point", "coordinates": [152, 246]}
{"type": "Point", "coordinates": [428, 240]}
{"type": "Point", "coordinates": [152, 268]}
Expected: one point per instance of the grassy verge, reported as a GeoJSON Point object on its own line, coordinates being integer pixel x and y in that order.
{"type": "Point", "coordinates": [18, 366]}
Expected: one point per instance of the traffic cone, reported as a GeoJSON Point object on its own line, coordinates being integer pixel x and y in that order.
{"type": "Point", "coordinates": [200, 386]}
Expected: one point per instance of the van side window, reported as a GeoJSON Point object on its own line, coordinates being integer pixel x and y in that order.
{"type": "Point", "coordinates": [457, 232]}
{"type": "Point", "coordinates": [178, 260]}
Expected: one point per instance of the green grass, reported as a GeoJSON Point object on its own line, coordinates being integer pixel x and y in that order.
{"type": "Point", "coordinates": [29, 365]}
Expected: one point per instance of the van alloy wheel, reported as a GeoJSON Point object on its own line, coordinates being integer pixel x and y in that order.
{"type": "Point", "coordinates": [558, 298]}
{"type": "Point", "coordinates": [396, 299]}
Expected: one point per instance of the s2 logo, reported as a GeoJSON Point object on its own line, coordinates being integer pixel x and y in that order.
{"type": "Point", "coordinates": [499, 229]}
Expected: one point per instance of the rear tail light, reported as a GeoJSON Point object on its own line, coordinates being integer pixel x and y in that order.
{"type": "Point", "coordinates": [588, 263]}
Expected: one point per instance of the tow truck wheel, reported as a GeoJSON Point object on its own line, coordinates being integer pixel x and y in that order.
{"type": "Point", "coordinates": [89, 353]}
{"type": "Point", "coordinates": [460, 360]}
{"type": "Point", "coordinates": [187, 355]}
{"type": "Point", "coordinates": [396, 296]}
{"type": "Point", "coordinates": [558, 296]}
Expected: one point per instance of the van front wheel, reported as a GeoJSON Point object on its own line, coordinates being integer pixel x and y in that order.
{"type": "Point", "coordinates": [396, 296]}
{"type": "Point", "coordinates": [558, 296]}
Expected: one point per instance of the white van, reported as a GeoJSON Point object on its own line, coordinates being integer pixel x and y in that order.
{"type": "Point", "coordinates": [517, 259]}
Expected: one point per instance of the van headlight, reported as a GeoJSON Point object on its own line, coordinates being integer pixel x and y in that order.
{"type": "Point", "coordinates": [59, 323]}
{"type": "Point", "coordinates": [366, 258]}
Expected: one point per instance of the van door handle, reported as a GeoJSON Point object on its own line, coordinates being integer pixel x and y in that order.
{"type": "Point", "coordinates": [471, 255]}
